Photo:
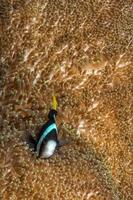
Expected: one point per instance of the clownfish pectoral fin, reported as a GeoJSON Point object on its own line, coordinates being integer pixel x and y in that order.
{"type": "Point", "coordinates": [31, 142]}
{"type": "Point", "coordinates": [63, 142]}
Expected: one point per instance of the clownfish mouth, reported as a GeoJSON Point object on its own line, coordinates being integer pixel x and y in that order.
{"type": "Point", "coordinates": [49, 149]}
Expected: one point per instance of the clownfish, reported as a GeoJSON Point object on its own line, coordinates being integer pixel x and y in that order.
{"type": "Point", "coordinates": [47, 141]}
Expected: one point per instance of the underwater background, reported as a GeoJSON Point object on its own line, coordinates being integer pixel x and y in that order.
{"type": "Point", "coordinates": [83, 51]}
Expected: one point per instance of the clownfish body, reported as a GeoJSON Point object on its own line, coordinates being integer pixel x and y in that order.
{"type": "Point", "coordinates": [47, 141]}
{"type": "Point", "coordinates": [49, 149]}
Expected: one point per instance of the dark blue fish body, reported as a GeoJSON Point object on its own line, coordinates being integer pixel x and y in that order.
{"type": "Point", "coordinates": [47, 140]}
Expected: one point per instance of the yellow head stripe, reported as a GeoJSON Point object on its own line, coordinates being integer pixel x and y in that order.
{"type": "Point", "coordinates": [55, 104]}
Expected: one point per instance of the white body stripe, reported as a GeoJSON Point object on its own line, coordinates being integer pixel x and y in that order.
{"type": "Point", "coordinates": [46, 132]}
{"type": "Point", "coordinates": [49, 149]}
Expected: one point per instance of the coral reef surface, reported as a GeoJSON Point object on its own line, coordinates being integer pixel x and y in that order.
{"type": "Point", "coordinates": [82, 51]}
